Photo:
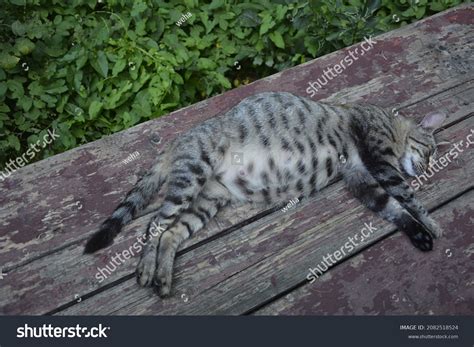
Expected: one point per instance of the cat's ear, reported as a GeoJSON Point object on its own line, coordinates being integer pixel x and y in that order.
{"type": "Point", "coordinates": [433, 120]}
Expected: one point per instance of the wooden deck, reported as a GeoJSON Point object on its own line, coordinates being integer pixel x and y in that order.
{"type": "Point", "coordinates": [250, 260]}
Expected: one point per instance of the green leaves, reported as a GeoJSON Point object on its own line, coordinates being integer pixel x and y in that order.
{"type": "Point", "coordinates": [138, 7]}
{"type": "Point", "coordinates": [277, 39]}
{"type": "Point", "coordinates": [249, 18]}
{"type": "Point", "coordinates": [24, 46]}
{"type": "Point", "coordinates": [14, 142]}
{"type": "Point", "coordinates": [94, 108]}
{"type": "Point", "coordinates": [119, 67]}
{"type": "Point", "coordinates": [93, 68]}
{"type": "Point", "coordinates": [373, 6]}
{"type": "Point", "coordinates": [16, 88]}
{"type": "Point", "coordinates": [205, 64]}
{"type": "Point", "coordinates": [56, 87]}
{"type": "Point", "coordinates": [18, 28]}
{"type": "Point", "coordinates": [267, 23]}
{"type": "Point", "coordinates": [100, 64]}
{"type": "Point", "coordinates": [8, 61]}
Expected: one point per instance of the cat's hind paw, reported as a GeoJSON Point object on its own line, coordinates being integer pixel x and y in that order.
{"type": "Point", "coordinates": [162, 283]}
{"type": "Point", "coordinates": [164, 271]}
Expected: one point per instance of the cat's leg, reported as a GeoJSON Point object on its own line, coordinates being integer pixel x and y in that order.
{"type": "Point", "coordinates": [192, 167]}
{"type": "Point", "coordinates": [212, 198]}
{"type": "Point", "coordinates": [184, 185]}
{"type": "Point", "coordinates": [173, 231]}
{"type": "Point", "coordinates": [368, 191]}
{"type": "Point", "coordinates": [391, 179]}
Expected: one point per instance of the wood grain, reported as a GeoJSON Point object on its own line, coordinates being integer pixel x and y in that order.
{"type": "Point", "coordinates": [41, 234]}
{"type": "Point", "coordinates": [407, 66]}
{"type": "Point", "coordinates": [390, 278]}
{"type": "Point", "coordinates": [246, 268]}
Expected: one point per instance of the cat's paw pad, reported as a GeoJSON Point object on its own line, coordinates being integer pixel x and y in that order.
{"type": "Point", "coordinates": [162, 288]}
{"type": "Point", "coordinates": [146, 269]}
{"type": "Point", "coordinates": [422, 241]}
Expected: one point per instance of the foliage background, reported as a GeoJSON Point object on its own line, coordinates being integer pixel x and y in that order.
{"type": "Point", "coordinates": [90, 68]}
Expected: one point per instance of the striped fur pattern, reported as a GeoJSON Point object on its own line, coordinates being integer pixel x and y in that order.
{"type": "Point", "coordinates": [270, 148]}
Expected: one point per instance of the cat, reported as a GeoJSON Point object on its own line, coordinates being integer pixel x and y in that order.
{"type": "Point", "coordinates": [272, 147]}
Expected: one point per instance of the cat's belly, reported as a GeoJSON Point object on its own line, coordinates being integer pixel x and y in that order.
{"type": "Point", "coordinates": [257, 174]}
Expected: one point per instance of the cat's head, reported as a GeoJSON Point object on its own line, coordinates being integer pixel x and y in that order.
{"type": "Point", "coordinates": [420, 145]}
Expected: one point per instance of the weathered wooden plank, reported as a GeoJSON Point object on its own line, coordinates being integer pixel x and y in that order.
{"type": "Point", "coordinates": [81, 271]}
{"type": "Point", "coordinates": [243, 269]}
{"type": "Point", "coordinates": [84, 270]}
{"type": "Point", "coordinates": [390, 278]}
{"type": "Point", "coordinates": [68, 191]}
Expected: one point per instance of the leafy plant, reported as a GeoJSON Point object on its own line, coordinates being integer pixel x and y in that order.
{"type": "Point", "coordinates": [91, 68]}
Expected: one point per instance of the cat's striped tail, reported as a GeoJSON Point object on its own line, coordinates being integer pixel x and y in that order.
{"type": "Point", "coordinates": [137, 199]}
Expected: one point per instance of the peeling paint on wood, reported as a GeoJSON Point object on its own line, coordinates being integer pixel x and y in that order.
{"type": "Point", "coordinates": [275, 252]}
{"type": "Point", "coordinates": [391, 278]}
{"type": "Point", "coordinates": [49, 208]}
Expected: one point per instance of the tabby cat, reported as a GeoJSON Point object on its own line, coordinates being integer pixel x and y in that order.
{"type": "Point", "coordinates": [269, 148]}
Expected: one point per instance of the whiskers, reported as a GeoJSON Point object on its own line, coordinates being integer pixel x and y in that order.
{"type": "Point", "coordinates": [420, 168]}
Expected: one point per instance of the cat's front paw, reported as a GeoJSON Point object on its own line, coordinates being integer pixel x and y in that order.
{"type": "Point", "coordinates": [422, 240]}
{"type": "Point", "coordinates": [146, 268]}
{"type": "Point", "coordinates": [419, 236]}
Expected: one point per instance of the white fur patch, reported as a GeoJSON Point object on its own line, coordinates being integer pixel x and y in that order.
{"type": "Point", "coordinates": [408, 165]}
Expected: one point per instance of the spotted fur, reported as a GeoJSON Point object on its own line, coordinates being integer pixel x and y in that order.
{"type": "Point", "coordinates": [270, 148]}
